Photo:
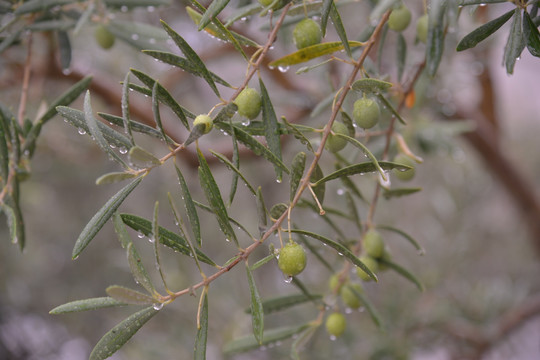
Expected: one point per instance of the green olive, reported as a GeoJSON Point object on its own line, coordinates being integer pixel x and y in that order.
{"type": "Point", "coordinates": [348, 295]}
{"type": "Point", "coordinates": [306, 33]}
{"type": "Point", "coordinates": [404, 175]}
{"type": "Point", "coordinates": [336, 324]}
{"type": "Point", "coordinates": [372, 265]}
{"type": "Point", "coordinates": [335, 143]}
{"type": "Point", "coordinates": [399, 18]}
{"type": "Point", "coordinates": [104, 37]}
{"type": "Point", "coordinates": [249, 103]}
{"type": "Point", "coordinates": [422, 28]}
{"type": "Point", "coordinates": [333, 283]}
{"type": "Point", "coordinates": [373, 244]}
{"type": "Point", "coordinates": [366, 113]}
{"type": "Point", "coordinates": [204, 120]}
{"type": "Point", "coordinates": [292, 259]}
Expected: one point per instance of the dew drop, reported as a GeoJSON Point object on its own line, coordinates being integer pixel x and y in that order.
{"type": "Point", "coordinates": [152, 41]}
{"type": "Point", "coordinates": [283, 69]}
{"type": "Point", "coordinates": [152, 239]}
{"type": "Point", "coordinates": [140, 235]}
{"type": "Point", "coordinates": [123, 150]}
{"type": "Point", "coordinates": [134, 36]}
{"type": "Point", "coordinates": [158, 306]}
{"type": "Point", "coordinates": [348, 310]}
{"type": "Point", "coordinates": [333, 337]}
{"type": "Point", "coordinates": [112, 146]}
{"type": "Point", "coordinates": [278, 181]}
{"type": "Point", "coordinates": [124, 8]}
{"type": "Point", "coordinates": [81, 131]}
{"type": "Point", "coordinates": [340, 191]}
{"type": "Point", "coordinates": [288, 279]}
{"type": "Point", "coordinates": [66, 71]}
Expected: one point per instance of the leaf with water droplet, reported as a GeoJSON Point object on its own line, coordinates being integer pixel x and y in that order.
{"type": "Point", "coordinates": [129, 296]}
{"type": "Point", "coordinates": [190, 207]}
{"type": "Point", "coordinates": [142, 158]}
{"type": "Point", "coordinates": [257, 312]}
{"type": "Point", "coordinates": [100, 218]}
{"type": "Point", "coordinates": [86, 304]}
{"type": "Point", "coordinates": [135, 126]}
{"type": "Point", "coordinates": [121, 333]}
{"type": "Point", "coordinates": [295, 131]}
{"type": "Point", "coordinates": [370, 85]}
{"type": "Point", "coordinates": [365, 150]}
{"type": "Point", "coordinates": [481, 33]}
{"type": "Point", "coordinates": [312, 52]}
{"type": "Point", "coordinates": [271, 127]}
{"type": "Point", "coordinates": [515, 43]}
{"type": "Point", "coordinates": [362, 168]}
{"type": "Point", "coordinates": [531, 33]}
{"type": "Point", "coordinates": [230, 165]}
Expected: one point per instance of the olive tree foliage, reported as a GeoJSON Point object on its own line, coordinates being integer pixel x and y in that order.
{"type": "Point", "coordinates": [365, 113]}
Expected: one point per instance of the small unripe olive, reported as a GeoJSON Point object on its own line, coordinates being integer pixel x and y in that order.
{"type": "Point", "coordinates": [104, 37]}
{"type": "Point", "coordinates": [399, 18]}
{"type": "Point", "coordinates": [349, 297]}
{"type": "Point", "coordinates": [335, 143]}
{"type": "Point", "coordinates": [336, 324]}
{"type": "Point", "coordinates": [292, 259]}
{"type": "Point", "coordinates": [422, 28]}
{"type": "Point", "coordinates": [306, 33]}
{"type": "Point", "coordinates": [373, 244]}
{"type": "Point", "coordinates": [366, 113]}
{"type": "Point", "coordinates": [249, 103]}
{"type": "Point", "coordinates": [333, 283]}
{"type": "Point", "coordinates": [408, 174]}
{"type": "Point", "coordinates": [204, 120]}
{"type": "Point", "coordinates": [372, 265]}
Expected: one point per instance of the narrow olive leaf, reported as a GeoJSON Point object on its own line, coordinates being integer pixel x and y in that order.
{"type": "Point", "coordinates": [284, 302]}
{"type": "Point", "coordinates": [126, 121]}
{"type": "Point", "coordinates": [295, 131]}
{"type": "Point", "coordinates": [15, 218]}
{"type": "Point", "coordinates": [271, 128]}
{"type": "Point", "coordinates": [4, 152]}
{"type": "Point", "coordinates": [219, 31]}
{"type": "Point", "coordinates": [261, 210]}
{"type": "Point", "coordinates": [435, 38]}
{"type": "Point", "coordinates": [297, 170]}
{"type": "Point", "coordinates": [260, 263]}
{"type": "Point", "coordinates": [401, 55]}
{"type": "Point", "coordinates": [121, 333]}
{"type": "Point", "coordinates": [370, 85]}
{"type": "Point", "coordinates": [165, 97]}
{"type": "Point", "coordinates": [100, 218]}
{"type": "Point", "coordinates": [312, 52]}
{"type": "Point", "coordinates": [95, 131]}
{"type": "Point", "coordinates": [86, 304]}
{"type": "Point", "coordinates": [373, 313]}
{"type": "Point", "coordinates": [233, 168]}
{"type": "Point", "coordinates": [342, 250]}
{"type": "Point", "coordinates": [240, 226]}
{"type": "Point", "coordinates": [9, 40]}
{"type": "Point", "coordinates": [407, 237]}
{"type": "Point", "coordinates": [213, 195]}
{"type": "Point", "coordinates": [403, 272]}
{"type": "Point", "coordinates": [242, 13]}
{"type": "Point", "coordinates": [362, 168]}
{"type": "Point", "coordinates": [236, 163]}
{"type": "Point", "coordinates": [135, 3]}
{"type": "Point", "coordinates": [166, 237]}
{"type": "Point", "coordinates": [191, 211]}
{"type": "Point", "coordinates": [182, 63]}
{"type": "Point", "coordinates": [114, 177]}
{"type": "Point", "coordinates": [515, 44]}
{"type": "Point", "coordinates": [270, 336]}
{"type": "Point", "coordinates": [325, 14]}
{"type": "Point", "coordinates": [226, 113]}
{"type": "Point", "coordinates": [340, 29]}
{"type": "Point", "coordinates": [211, 12]}
{"type": "Point", "coordinates": [478, 2]}
{"type": "Point", "coordinates": [391, 108]}
{"type": "Point", "coordinates": [157, 115]}
{"type": "Point", "coordinates": [257, 311]}
{"type": "Point", "coordinates": [134, 125]}
{"type": "Point", "coordinates": [64, 47]}
{"type": "Point", "coordinates": [11, 222]}
{"type": "Point", "coordinates": [400, 192]}
{"type": "Point", "coordinates": [33, 6]}
{"type": "Point", "coordinates": [255, 146]}
{"type": "Point", "coordinates": [481, 33]}
{"type": "Point", "coordinates": [366, 152]}
{"type": "Point", "coordinates": [315, 252]}
{"type": "Point", "coordinates": [199, 353]}
{"type": "Point", "coordinates": [191, 56]}
{"type": "Point", "coordinates": [142, 158]}
{"type": "Point", "coordinates": [318, 188]}
{"type": "Point", "coordinates": [76, 118]}
{"type": "Point", "coordinates": [532, 35]}
{"type": "Point", "coordinates": [129, 296]}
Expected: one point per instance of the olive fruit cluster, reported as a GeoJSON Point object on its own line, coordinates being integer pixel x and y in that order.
{"type": "Point", "coordinates": [104, 37]}
{"type": "Point", "coordinates": [249, 103]}
{"type": "Point", "coordinates": [374, 251]}
{"type": "Point", "coordinates": [404, 175]}
{"type": "Point", "coordinates": [335, 143]}
{"type": "Point", "coordinates": [347, 291]}
{"type": "Point", "coordinates": [366, 113]}
{"type": "Point", "coordinates": [292, 259]}
{"type": "Point", "coordinates": [306, 33]}
{"type": "Point", "coordinates": [399, 18]}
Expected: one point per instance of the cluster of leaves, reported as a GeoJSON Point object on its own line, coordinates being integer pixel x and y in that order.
{"type": "Point", "coordinates": [65, 18]}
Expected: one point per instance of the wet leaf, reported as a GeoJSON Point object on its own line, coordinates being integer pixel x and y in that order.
{"type": "Point", "coordinates": [362, 168]}
{"type": "Point", "coordinates": [135, 126]}
{"type": "Point", "coordinates": [114, 177]}
{"type": "Point", "coordinates": [257, 312]}
{"type": "Point", "coordinates": [233, 168]}
{"type": "Point", "coordinates": [271, 128]}
{"type": "Point", "coordinates": [482, 32]}
{"type": "Point", "coordinates": [435, 38]}
{"type": "Point", "coordinates": [340, 29]}
{"type": "Point", "coordinates": [211, 12]}
{"type": "Point", "coordinates": [532, 35]}
{"type": "Point", "coordinates": [370, 85]}
{"type": "Point", "coordinates": [121, 333]}
{"type": "Point", "coordinates": [100, 218]}
{"type": "Point", "coordinates": [129, 296]}
{"type": "Point", "coordinates": [142, 158]}
{"type": "Point", "coordinates": [311, 52]}
{"type": "Point", "coordinates": [202, 331]}
{"type": "Point", "coordinates": [85, 305]}
{"type": "Point", "coordinates": [515, 44]}
{"type": "Point", "coordinates": [190, 207]}
{"type": "Point", "coordinates": [319, 188]}
{"type": "Point", "coordinates": [366, 151]}
{"type": "Point", "coordinates": [400, 192]}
